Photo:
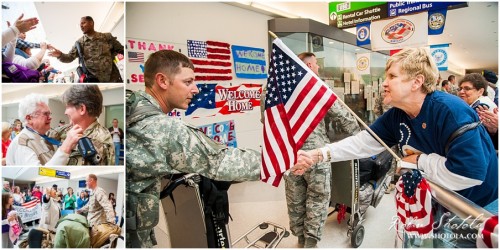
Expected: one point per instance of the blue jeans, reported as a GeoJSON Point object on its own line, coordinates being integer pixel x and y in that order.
{"type": "Point", "coordinates": [117, 153]}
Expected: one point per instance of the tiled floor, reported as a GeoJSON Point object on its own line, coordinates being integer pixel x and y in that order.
{"type": "Point", "coordinates": [254, 202]}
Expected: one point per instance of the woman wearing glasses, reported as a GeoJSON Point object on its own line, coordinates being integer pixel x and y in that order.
{"type": "Point", "coordinates": [473, 91]}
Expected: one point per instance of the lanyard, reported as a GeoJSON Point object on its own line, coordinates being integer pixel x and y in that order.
{"type": "Point", "coordinates": [48, 139]}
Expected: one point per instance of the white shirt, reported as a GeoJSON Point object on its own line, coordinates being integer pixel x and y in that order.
{"type": "Point", "coordinates": [486, 100]}
{"type": "Point", "coordinates": [116, 137]}
{"type": "Point", "coordinates": [23, 155]}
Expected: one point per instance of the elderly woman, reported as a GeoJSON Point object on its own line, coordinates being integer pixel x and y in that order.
{"type": "Point", "coordinates": [6, 131]}
{"type": "Point", "coordinates": [31, 146]}
{"type": "Point", "coordinates": [420, 124]}
{"type": "Point", "coordinates": [473, 91]}
{"type": "Point", "coordinates": [50, 209]}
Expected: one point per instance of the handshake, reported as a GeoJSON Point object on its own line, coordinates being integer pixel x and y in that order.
{"type": "Point", "coordinates": [305, 160]}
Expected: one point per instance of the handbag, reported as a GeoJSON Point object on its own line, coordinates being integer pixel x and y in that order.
{"type": "Point", "coordinates": [84, 74]}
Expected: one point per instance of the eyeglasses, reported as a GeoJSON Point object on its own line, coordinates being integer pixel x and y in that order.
{"type": "Point", "coordinates": [46, 114]}
{"type": "Point", "coordinates": [465, 88]}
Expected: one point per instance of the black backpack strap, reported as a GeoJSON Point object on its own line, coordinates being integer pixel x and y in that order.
{"type": "Point", "coordinates": [216, 210]}
{"type": "Point", "coordinates": [81, 60]}
{"type": "Point", "coordinates": [460, 131]}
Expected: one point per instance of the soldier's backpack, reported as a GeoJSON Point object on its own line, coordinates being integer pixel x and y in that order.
{"type": "Point", "coordinates": [101, 233]}
{"type": "Point", "coordinates": [40, 238]}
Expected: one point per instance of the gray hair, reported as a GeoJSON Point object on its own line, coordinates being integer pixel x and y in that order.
{"type": "Point", "coordinates": [28, 105]}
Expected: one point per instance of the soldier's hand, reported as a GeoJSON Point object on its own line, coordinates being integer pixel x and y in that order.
{"type": "Point", "coordinates": [304, 162]}
{"type": "Point", "coordinates": [55, 52]}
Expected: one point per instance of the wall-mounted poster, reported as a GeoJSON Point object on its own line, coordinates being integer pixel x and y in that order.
{"type": "Point", "coordinates": [249, 63]}
{"type": "Point", "coordinates": [211, 59]}
{"type": "Point", "coordinates": [138, 51]}
{"type": "Point", "coordinates": [216, 99]}
{"type": "Point", "coordinates": [222, 132]}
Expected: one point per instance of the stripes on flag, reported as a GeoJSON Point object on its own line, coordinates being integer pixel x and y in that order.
{"type": "Point", "coordinates": [211, 59]}
{"type": "Point", "coordinates": [296, 102]}
{"type": "Point", "coordinates": [488, 234]}
{"type": "Point", "coordinates": [135, 56]}
{"type": "Point", "coordinates": [413, 203]}
{"type": "Point", "coordinates": [31, 203]}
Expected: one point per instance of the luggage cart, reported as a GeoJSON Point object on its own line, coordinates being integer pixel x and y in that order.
{"type": "Point", "coordinates": [346, 195]}
{"type": "Point", "coordinates": [345, 190]}
{"type": "Point", "coordinates": [187, 205]}
{"type": "Point", "coordinates": [266, 239]}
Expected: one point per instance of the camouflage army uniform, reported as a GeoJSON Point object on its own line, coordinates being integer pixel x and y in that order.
{"type": "Point", "coordinates": [99, 208]}
{"type": "Point", "coordinates": [308, 195]}
{"type": "Point", "coordinates": [158, 146]}
{"type": "Point", "coordinates": [100, 137]}
{"type": "Point", "coordinates": [99, 52]}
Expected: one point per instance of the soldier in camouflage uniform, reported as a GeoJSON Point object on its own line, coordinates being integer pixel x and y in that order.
{"type": "Point", "coordinates": [99, 51]}
{"type": "Point", "coordinates": [308, 195]}
{"type": "Point", "coordinates": [158, 145]}
{"type": "Point", "coordinates": [99, 209]}
{"type": "Point", "coordinates": [83, 107]}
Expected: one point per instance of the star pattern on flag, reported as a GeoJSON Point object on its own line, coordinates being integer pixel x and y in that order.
{"type": "Point", "coordinates": [204, 99]}
{"type": "Point", "coordinates": [283, 78]}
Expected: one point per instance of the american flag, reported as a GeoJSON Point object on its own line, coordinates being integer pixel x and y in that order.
{"type": "Point", "coordinates": [135, 57]}
{"type": "Point", "coordinates": [31, 203]}
{"type": "Point", "coordinates": [211, 96]}
{"type": "Point", "coordinates": [296, 101]}
{"type": "Point", "coordinates": [413, 203]}
{"type": "Point", "coordinates": [212, 60]}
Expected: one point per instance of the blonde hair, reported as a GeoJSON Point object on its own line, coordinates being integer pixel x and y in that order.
{"type": "Point", "coordinates": [5, 126]}
{"type": "Point", "coordinates": [416, 61]}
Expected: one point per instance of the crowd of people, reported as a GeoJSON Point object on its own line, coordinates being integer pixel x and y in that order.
{"type": "Point", "coordinates": [21, 65]}
{"type": "Point", "coordinates": [92, 202]}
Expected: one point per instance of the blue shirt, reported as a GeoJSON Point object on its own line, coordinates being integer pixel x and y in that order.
{"type": "Point", "coordinates": [471, 155]}
{"type": "Point", "coordinates": [81, 203]}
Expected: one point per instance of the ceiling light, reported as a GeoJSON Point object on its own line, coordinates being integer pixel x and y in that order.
{"type": "Point", "coordinates": [273, 10]}
{"type": "Point", "coordinates": [331, 42]}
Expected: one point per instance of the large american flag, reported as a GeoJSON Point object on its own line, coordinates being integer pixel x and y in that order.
{"type": "Point", "coordinates": [31, 203]}
{"type": "Point", "coordinates": [296, 101]}
{"type": "Point", "coordinates": [212, 60]}
{"type": "Point", "coordinates": [413, 203]}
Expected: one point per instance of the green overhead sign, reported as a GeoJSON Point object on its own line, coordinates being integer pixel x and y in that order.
{"type": "Point", "coordinates": [348, 14]}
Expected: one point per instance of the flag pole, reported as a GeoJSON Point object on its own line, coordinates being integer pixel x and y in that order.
{"type": "Point", "coordinates": [272, 34]}
{"type": "Point", "coordinates": [360, 121]}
